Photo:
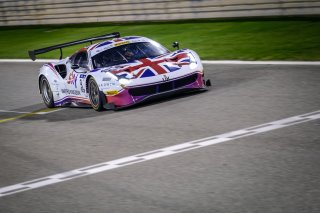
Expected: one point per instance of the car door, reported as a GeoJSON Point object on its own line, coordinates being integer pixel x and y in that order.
{"type": "Point", "coordinates": [75, 79]}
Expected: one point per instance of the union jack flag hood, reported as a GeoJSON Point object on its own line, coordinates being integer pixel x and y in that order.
{"type": "Point", "coordinates": [149, 67]}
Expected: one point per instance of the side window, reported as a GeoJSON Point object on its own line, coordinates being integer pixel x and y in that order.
{"type": "Point", "coordinates": [81, 59]}
{"type": "Point", "coordinates": [72, 58]}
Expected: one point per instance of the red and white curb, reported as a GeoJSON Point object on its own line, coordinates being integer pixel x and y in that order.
{"type": "Point", "coordinates": [158, 153]}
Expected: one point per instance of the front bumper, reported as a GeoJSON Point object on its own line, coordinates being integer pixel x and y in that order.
{"type": "Point", "coordinates": [134, 95]}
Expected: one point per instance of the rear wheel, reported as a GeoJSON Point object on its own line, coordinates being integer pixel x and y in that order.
{"type": "Point", "coordinates": [95, 95]}
{"type": "Point", "coordinates": [46, 92]}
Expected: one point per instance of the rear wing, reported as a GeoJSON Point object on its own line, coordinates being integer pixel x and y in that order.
{"type": "Point", "coordinates": [33, 53]}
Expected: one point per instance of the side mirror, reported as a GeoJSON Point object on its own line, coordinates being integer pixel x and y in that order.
{"type": "Point", "coordinates": [80, 69]}
{"type": "Point", "coordinates": [175, 45]}
{"type": "Point", "coordinates": [75, 66]}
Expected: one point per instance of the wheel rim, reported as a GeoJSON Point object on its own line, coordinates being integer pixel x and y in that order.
{"type": "Point", "coordinates": [94, 93]}
{"type": "Point", "coordinates": [46, 91]}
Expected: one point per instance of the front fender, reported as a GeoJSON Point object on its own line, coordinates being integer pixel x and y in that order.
{"type": "Point", "coordinates": [106, 81]}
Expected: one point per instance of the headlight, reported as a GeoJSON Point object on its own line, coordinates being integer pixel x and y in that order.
{"type": "Point", "coordinates": [193, 61]}
{"type": "Point", "coordinates": [112, 76]}
{"type": "Point", "coordinates": [124, 81]}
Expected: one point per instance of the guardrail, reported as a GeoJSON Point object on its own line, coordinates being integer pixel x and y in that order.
{"type": "Point", "coordinates": [15, 12]}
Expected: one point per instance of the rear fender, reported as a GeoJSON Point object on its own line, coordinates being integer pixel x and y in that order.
{"type": "Point", "coordinates": [55, 81]}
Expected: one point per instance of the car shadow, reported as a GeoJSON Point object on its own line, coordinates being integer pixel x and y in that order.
{"type": "Point", "coordinates": [221, 80]}
{"type": "Point", "coordinates": [77, 113]}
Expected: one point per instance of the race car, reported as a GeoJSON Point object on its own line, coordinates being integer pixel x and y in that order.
{"type": "Point", "coordinates": [118, 72]}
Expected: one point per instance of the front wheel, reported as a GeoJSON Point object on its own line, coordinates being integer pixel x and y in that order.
{"type": "Point", "coordinates": [46, 92]}
{"type": "Point", "coordinates": [94, 95]}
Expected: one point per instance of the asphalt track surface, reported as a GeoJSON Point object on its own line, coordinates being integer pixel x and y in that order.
{"type": "Point", "coordinates": [275, 171]}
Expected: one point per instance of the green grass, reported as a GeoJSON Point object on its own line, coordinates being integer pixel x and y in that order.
{"type": "Point", "coordinates": [250, 39]}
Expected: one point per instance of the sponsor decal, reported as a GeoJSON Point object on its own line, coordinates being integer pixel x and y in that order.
{"type": "Point", "coordinates": [81, 86]}
{"type": "Point", "coordinates": [72, 79]}
{"type": "Point", "coordinates": [82, 76]}
{"type": "Point", "coordinates": [108, 84]}
{"type": "Point", "coordinates": [165, 78]}
{"type": "Point", "coordinates": [111, 92]}
{"type": "Point", "coordinates": [121, 43]}
{"type": "Point", "coordinates": [70, 92]}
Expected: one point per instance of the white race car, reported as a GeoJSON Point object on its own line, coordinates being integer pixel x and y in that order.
{"type": "Point", "coordinates": [118, 72]}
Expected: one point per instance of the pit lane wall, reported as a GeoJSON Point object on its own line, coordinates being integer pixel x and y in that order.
{"type": "Point", "coordinates": [34, 12]}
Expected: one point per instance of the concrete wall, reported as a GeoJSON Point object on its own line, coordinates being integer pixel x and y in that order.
{"type": "Point", "coordinates": [32, 12]}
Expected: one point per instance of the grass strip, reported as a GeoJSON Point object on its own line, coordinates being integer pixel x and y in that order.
{"type": "Point", "coordinates": [244, 39]}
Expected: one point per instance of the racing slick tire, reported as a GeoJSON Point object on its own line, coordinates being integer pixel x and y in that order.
{"type": "Point", "coordinates": [46, 92]}
{"type": "Point", "coordinates": [95, 97]}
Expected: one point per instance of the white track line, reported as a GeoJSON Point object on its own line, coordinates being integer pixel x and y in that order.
{"type": "Point", "coordinates": [48, 112]}
{"type": "Point", "coordinates": [28, 60]}
{"type": "Point", "coordinates": [37, 113]}
{"type": "Point", "coordinates": [154, 154]}
{"type": "Point", "coordinates": [239, 62]}
{"type": "Point", "coordinates": [12, 111]}
{"type": "Point", "coordinates": [262, 62]}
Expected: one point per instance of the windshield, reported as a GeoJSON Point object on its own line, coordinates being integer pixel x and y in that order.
{"type": "Point", "coordinates": [128, 53]}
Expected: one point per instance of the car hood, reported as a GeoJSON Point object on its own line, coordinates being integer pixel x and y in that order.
{"type": "Point", "coordinates": [149, 67]}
